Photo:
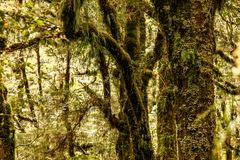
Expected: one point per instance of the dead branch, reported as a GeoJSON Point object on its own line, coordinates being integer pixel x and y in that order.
{"type": "Point", "coordinates": [26, 44]}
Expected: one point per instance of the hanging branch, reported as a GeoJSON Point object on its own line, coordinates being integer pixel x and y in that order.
{"type": "Point", "coordinates": [119, 54]}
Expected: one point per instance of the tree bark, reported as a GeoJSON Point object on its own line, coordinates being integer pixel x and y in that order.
{"type": "Point", "coordinates": [7, 132]}
{"type": "Point", "coordinates": [136, 109]}
{"type": "Point", "coordinates": [166, 130]}
{"type": "Point", "coordinates": [190, 45]}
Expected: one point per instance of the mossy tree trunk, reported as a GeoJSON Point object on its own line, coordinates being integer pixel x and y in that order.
{"type": "Point", "coordinates": [7, 142]}
{"type": "Point", "coordinates": [188, 25]}
{"type": "Point", "coordinates": [134, 141]}
{"type": "Point", "coordinates": [167, 148]}
{"type": "Point", "coordinates": [135, 85]}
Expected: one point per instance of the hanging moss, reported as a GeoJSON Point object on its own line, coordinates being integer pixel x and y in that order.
{"type": "Point", "coordinates": [68, 16]}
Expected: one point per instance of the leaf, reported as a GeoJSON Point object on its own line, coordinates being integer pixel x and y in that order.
{"type": "Point", "coordinates": [40, 22]}
{"type": "Point", "coordinates": [28, 64]}
{"type": "Point", "coordinates": [29, 4]}
{"type": "Point", "coordinates": [50, 42]}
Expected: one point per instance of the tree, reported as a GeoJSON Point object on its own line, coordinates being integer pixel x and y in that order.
{"type": "Point", "coordinates": [186, 34]}
{"type": "Point", "coordinates": [189, 97]}
{"type": "Point", "coordinates": [7, 131]}
{"type": "Point", "coordinates": [132, 123]}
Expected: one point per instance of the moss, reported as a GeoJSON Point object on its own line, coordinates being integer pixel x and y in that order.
{"type": "Point", "coordinates": [188, 55]}
{"type": "Point", "coordinates": [68, 16]}
{"type": "Point", "coordinates": [166, 143]}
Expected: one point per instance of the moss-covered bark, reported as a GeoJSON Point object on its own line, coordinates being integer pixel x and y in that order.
{"type": "Point", "coordinates": [166, 130]}
{"type": "Point", "coordinates": [135, 87]}
{"type": "Point", "coordinates": [7, 132]}
{"type": "Point", "coordinates": [7, 143]}
{"type": "Point", "coordinates": [190, 41]}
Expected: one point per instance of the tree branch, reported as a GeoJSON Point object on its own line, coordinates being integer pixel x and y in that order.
{"type": "Point", "coordinates": [110, 18]}
{"type": "Point", "coordinates": [106, 82]}
{"type": "Point", "coordinates": [32, 120]}
{"type": "Point", "coordinates": [123, 60]}
{"type": "Point", "coordinates": [225, 57]}
{"type": "Point", "coordinates": [119, 54]}
{"type": "Point", "coordinates": [158, 52]}
{"type": "Point", "coordinates": [29, 43]}
{"type": "Point", "coordinates": [228, 87]}
{"type": "Point", "coordinates": [147, 8]}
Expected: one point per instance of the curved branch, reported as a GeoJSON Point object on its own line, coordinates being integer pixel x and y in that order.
{"type": "Point", "coordinates": [119, 54]}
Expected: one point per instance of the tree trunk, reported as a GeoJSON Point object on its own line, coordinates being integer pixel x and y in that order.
{"type": "Point", "coordinates": [70, 133]}
{"type": "Point", "coordinates": [136, 138]}
{"type": "Point", "coordinates": [7, 132]}
{"type": "Point", "coordinates": [190, 42]}
{"type": "Point", "coordinates": [27, 89]}
{"type": "Point", "coordinates": [166, 130]}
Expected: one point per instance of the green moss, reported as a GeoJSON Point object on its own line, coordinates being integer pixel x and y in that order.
{"type": "Point", "coordinates": [162, 105]}
{"type": "Point", "coordinates": [166, 141]}
{"type": "Point", "coordinates": [188, 55]}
